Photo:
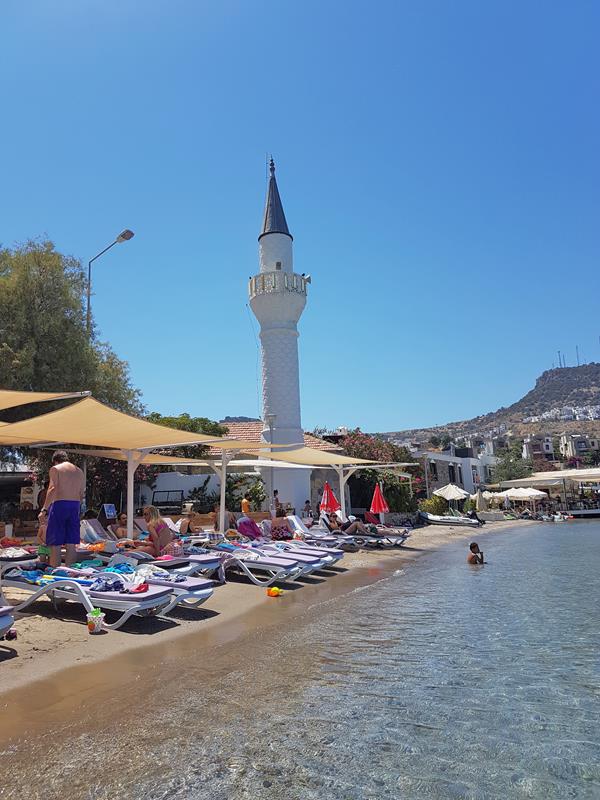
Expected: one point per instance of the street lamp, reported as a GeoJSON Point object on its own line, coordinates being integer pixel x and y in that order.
{"type": "Point", "coordinates": [270, 420]}
{"type": "Point", "coordinates": [124, 236]}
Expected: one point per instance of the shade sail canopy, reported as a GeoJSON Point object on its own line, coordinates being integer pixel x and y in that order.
{"type": "Point", "coordinates": [148, 458]}
{"type": "Point", "coordinates": [158, 459]}
{"type": "Point", "coordinates": [12, 399]}
{"type": "Point", "coordinates": [89, 422]}
{"type": "Point", "coordinates": [315, 458]}
{"type": "Point", "coordinates": [451, 492]}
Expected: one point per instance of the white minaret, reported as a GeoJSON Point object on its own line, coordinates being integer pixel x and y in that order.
{"type": "Point", "coordinates": [277, 298]}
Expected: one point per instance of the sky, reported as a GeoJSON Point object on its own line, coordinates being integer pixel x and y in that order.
{"type": "Point", "coordinates": [438, 164]}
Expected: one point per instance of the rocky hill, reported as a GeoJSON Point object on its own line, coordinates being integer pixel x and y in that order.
{"type": "Point", "coordinates": [555, 388]}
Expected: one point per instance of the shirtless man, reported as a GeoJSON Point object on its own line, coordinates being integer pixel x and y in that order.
{"type": "Point", "coordinates": [475, 555]}
{"type": "Point", "coordinates": [63, 499]}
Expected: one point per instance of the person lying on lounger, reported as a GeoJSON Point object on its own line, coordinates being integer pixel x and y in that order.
{"type": "Point", "coordinates": [349, 528]}
{"type": "Point", "coordinates": [190, 523]}
{"type": "Point", "coordinates": [120, 530]}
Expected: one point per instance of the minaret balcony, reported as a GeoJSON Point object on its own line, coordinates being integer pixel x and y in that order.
{"type": "Point", "coordinates": [277, 283]}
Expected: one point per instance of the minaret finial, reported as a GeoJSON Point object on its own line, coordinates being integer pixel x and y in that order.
{"type": "Point", "coordinates": [274, 219]}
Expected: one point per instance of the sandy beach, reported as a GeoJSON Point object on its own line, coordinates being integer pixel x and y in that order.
{"type": "Point", "coordinates": [55, 664]}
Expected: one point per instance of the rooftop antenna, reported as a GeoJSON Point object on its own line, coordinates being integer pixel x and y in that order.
{"type": "Point", "coordinates": [577, 353]}
{"type": "Point", "coordinates": [559, 361]}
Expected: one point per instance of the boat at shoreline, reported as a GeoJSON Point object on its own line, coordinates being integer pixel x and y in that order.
{"type": "Point", "coordinates": [436, 519]}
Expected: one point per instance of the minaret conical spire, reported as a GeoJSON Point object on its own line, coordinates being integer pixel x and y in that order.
{"type": "Point", "coordinates": [274, 219]}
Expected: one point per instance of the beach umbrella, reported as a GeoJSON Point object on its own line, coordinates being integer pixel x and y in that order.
{"type": "Point", "coordinates": [378, 504]}
{"type": "Point", "coordinates": [329, 502]}
{"type": "Point", "coordinates": [451, 492]}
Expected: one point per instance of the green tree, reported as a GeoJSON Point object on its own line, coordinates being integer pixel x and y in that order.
{"type": "Point", "coordinates": [185, 422]}
{"type": "Point", "coordinates": [43, 341]}
{"type": "Point", "coordinates": [511, 465]}
{"type": "Point", "coordinates": [362, 484]}
{"type": "Point", "coordinates": [591, 458]}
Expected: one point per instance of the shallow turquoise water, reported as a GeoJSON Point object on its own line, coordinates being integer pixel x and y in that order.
{"type": "Point", "coordinates": [442, 681]}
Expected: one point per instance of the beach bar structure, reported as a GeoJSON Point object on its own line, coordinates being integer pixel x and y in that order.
{"type": "Point", "coordinates": [564, 481]}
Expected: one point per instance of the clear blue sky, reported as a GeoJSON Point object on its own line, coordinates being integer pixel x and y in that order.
{"type": "Point", "coordinates": [438, 164]}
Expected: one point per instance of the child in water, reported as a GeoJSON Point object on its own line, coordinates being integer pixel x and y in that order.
{"type": "Point", "coordinates": [475, 555]}
{"type": "Point", "coordinates": [43, 549]}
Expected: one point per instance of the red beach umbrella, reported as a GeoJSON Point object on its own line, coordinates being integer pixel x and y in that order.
{"type": "Point", "coordinates": [378, 504]}
{"type": "Point", "coordinates": [329, 502]}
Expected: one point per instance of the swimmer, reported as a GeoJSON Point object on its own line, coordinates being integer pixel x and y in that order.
{"type": "Point", "coordinates": [475, 555]}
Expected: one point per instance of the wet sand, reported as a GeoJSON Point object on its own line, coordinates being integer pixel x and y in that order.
{"type": "Point", "coordinates": [55, 668]}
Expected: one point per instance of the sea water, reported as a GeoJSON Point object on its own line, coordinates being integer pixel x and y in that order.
{"type": "Point", "coordinates": [440, 681]}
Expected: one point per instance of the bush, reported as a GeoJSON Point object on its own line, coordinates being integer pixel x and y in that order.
{"type": "Point", "coordinates": [435, 505]}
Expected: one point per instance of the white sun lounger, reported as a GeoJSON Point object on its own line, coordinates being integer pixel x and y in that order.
{"type": "Point", "coordinates": [156, 599]}
{"type": "Point", "coordinates": [262, 571]}
{"type": "Point", "coordinates": [6, 620]}
{"type": "Point", "coordinates": [329, 555]}
{"type": "Point", "coordinates": [321, 535]}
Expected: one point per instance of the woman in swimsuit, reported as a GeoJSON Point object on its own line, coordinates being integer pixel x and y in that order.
{"type": "Point", "coordinates": [161, 536]}
{"type": "Point", "coordinates": [349, 528]}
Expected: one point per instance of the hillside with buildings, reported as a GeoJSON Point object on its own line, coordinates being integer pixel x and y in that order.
{"type": "Point", "coordinates": [566, 399]}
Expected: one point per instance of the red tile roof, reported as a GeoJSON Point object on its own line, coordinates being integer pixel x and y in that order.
{"type": "Point", "coordinates": [251, 431]}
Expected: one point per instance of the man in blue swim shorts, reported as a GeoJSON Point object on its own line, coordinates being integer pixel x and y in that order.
{"type": "Point", "coordinates": [63, 501]}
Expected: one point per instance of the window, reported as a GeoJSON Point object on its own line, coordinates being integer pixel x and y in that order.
{"type": "Point", "coordinates": [460, 478]}
{"type": "Point", "coordinates": [433, 470]}
{"type": "Point", "coordinates": [278, 265]}
{"type": "Point", "coordinates": [451, 473]}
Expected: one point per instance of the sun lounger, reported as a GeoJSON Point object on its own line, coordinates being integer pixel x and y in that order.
{"type": "Point", "coordinates": [206, 564]}
{"type": "Point", "coordinates": [329, 555]}
{"type": "Point", "coordinates": [260, 570]}
{"type": "Point", "coordinates": [189, 591]}
{"type": "Point", "coordinates": [101, 533]}
{"type": "Point", "coordinates": [294, 547]}
{"type": "Point", "coordinates": [321, 535]}
{"type": "Point", "coordinates": [6, 620]}
{"type": "Point", "coordinates": [309, 561]}
{"type": "Point", "coordinates": [156, 599]}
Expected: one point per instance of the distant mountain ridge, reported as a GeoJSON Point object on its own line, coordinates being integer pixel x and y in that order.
{"type": "Point", "coordinates": [555, 388]}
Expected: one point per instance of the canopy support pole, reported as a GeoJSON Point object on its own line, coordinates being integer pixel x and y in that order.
{"type": "Point", "coordinates": [225, 458]}
{"type": "Point", "coordinates": [222, 473]}
{"type": "Point", "coordinates": [343, 477]}
{"type": "Point", "coordinates": [133, 461]}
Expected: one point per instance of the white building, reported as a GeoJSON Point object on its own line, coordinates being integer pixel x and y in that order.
{"type": "Point", "coordinates": [459, 466]}
{"type": "Point", "coordinates": [277, 299]}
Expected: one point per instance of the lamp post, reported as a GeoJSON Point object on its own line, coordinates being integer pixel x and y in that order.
{"type": "Point", "coordinates": [124, 236]}
{"type": "Point", "coordinates": [270, 420]}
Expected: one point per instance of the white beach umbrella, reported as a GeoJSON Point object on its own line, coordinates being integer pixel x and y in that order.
{"type": "Point", "coordinates": [451, 492]}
